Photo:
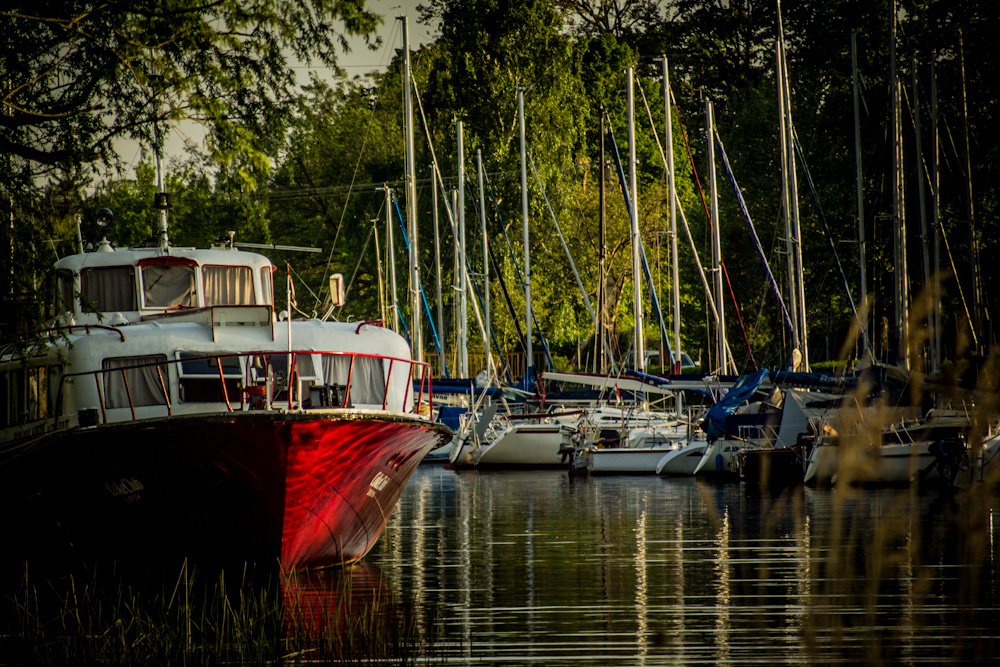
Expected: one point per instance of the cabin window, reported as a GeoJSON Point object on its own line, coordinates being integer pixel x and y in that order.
{"type": "Point", "coordinates": [367, 378]}
{"type": "Point", "coordinates": [38, 393]}
{"type": "Point", "coordinates": [142, 378]}
{"type": "Point", "coordinates": [278, 364]}
{"type": "Point", "coordinates": [265, 285]}
{"type": "Point", "coordinates": [5, 399]}
{"type": "Point", "coordinates": [107, 289]}
{"type": "Point", "coordinates": [200, 381]}
{"type": "Point", "coordinates": [227, 285]}
{"type": "Point", "coordinates": [169, 286]}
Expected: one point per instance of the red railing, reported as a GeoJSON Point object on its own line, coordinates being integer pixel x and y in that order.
{"type": "Point", "coordinates": [254, 387]}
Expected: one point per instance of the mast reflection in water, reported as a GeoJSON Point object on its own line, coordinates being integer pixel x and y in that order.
{"type": "Point", "coordinates": [522, 567]}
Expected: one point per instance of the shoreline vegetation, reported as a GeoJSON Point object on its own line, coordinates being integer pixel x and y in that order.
{"type": "Point", "coordinates": [103, 615]}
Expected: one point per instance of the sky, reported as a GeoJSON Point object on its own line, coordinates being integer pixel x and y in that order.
{"type": "Point", "coordinates": [359, 61]}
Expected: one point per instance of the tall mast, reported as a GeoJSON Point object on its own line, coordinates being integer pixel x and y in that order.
{"type": "Point", "coordinates": [716, 239]}
{"type": "Point", "coordinates": [455, 285]}
{"type": "Point", "coordinates": [936, 211]}
{"type": "Point", "coordinates": [862, 260]}
{"type": "Point", "coordinates": [924, 248]}
{"type": "Point", "coordinates": [638, 344]}
{"type": "Point", "coordinates": [487, 330]}
{"type": "Point", "coordinates": [463, 287]}
{"type": "Point", "coordinates": [899, 225]}
{"type": "Point", "coordinates": [969, 212]}
{"type": "Point", "coordinates": [674, 256]}
{"type": "Point", "coordinates": [390, 250]}
{"type": "Point", "coordinates": [529, 362]}
{"type": "Point", "coordinates": [416, 342]}
{"type": "Point", "coordinates": [793, 197]}
{"type": "Point", "coordinates": [779, 71]}
{"type": "Point", "coordinates": [602, 342]}
{"type": "Point", "coordinates": [437, 266]}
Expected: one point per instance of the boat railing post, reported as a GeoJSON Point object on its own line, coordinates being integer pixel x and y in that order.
{"type": "Point", "coordinates": [163, 387]}
{"type": "Point", "coordinates": [100, 398]}
{"type": "Point", "coordinates": [128, 393]}
{"type": "Point", "coordinates": [385, 390]}
{"type": "Point", "coordinates": [409, 386]}
{"type": "Point", "coordinates": [290, 383]}
{"type": "Point", "coordinates": [222, 378]}
{"type": "Point", "coordinates": [350, 376]}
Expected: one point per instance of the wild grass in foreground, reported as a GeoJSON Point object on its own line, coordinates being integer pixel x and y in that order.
{"type": "Point", "coordinates": [107, 617]}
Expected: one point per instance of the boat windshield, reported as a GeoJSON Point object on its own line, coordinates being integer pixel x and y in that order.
{"type": "Point", "coordinates": [168, 286]}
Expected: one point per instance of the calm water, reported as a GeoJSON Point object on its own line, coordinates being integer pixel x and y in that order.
{"type": "Point", "coordinates": [538, 568]}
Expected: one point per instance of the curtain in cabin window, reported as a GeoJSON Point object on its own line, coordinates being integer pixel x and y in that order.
{"type": "Point", "coordinates": [367, 380]}
{"type": "Point", "coordinates": [168, 286]}
{"type": "Point", "coordinates": [265, 284]}
{"type": "Point", "coordinates": [107, 289]}
{"type": "Point", "coordinates": [143, 383]}
{"type": "Point", "coordinates": [227, 285]}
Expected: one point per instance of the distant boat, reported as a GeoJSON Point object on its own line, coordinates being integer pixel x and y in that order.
{"type": "Point", "coordinates": [168, 413]}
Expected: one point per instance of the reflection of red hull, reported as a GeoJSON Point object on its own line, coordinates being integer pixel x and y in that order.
{"type": "Point", "coordinates": [311, 489]}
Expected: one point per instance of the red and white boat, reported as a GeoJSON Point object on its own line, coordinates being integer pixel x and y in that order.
{"type": "Point", "coordinates": [156, 418]}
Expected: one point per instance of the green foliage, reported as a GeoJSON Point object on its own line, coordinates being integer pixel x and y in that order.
{"type": "Point", "coordinates": [323, 152]}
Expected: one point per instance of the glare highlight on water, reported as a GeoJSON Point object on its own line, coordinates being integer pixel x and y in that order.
{"type": "Point", "coordinates": [541, 568]}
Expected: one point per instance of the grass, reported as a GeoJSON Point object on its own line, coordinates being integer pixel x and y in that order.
{"type": "Point", "coordinates": [110, 617]}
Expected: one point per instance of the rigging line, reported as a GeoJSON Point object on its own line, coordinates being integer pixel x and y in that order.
{"type": "Point", "coordinates": [358, 265]}
{"type": "Point", "coordinates": [517, 267]}
{"type": "Point", "coordinates": [629, 204]}
{"type": "Point", "coordinates": [454, 230]}
{"type": "Point", "coordinates": [708, 215]}
{"type": "Point", "coordinates": [484, 283]}
{"type": "Point", "coordinates": [709, 299]}
{"type": "Point", "coordinates": [753, 235]}
{"type": "Point", "coordinates": [354, 176]}
{"type": "Point", "coordinates": [829, 234]}
{"type": "Point", "coordinates": [420, 287]}
{"type": "Point", "coordinates": [572, 264]}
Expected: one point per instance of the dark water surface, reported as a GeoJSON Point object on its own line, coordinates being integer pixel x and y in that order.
{"type": "Point", "coordinates": [540, 568]}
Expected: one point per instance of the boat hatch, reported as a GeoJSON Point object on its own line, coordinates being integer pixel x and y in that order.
{"type": "Point", "coordinates": [199, 378]}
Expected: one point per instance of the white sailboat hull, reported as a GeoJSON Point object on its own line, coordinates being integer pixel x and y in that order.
{"type": "Point", "coordinates": [719, 458]}
{"type": "Point", "coordinates": [682, 462]}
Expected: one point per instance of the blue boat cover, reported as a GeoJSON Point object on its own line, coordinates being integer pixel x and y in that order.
{"type": "Point", "coordinates": [714, 423]}
{"type": "Point", "coordinates": [451, 415]}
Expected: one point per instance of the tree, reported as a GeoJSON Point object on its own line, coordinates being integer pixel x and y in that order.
{"type": "Point", "coordinates": [78, 76]}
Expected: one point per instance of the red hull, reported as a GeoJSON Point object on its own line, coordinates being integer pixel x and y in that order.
{"type": "Point", "coordinates": [248, 486]}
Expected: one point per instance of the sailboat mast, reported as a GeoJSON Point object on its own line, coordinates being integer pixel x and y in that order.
{"type": "Point", "coordinates": [602, 342]}
{"type": "Point", "coordinates": [390, 249]}
{"type": "Point", "coordinates": [936, 210]}
{"type": "Point", "coordinates": [969, 211]}
{"type": "Point", "coordinates": [862, 260]}
{"type": "Point", "coordinates": [486, 269]}
{"type": "Point", "coordinates": [918, 146]}
{"type": "Point", "coordinates": [779, 70]}
{"type": "Point", "coordinates": [716, 239]}
{"type": "Point", "coordinates": [529, 361]}
{"type": "Point", "coordinates": [798, 285]}
{"type": "Point", "coordinates": [672, 186]}
{"type": "Point", "coordinates": [899, 225]}
{"type": "Point", "coordinates": [416, 342]}
{"type": "Point", "coordinates": [638, 344]}
{"type": "Point", "coordinates": [437, 266]}
{"type": "Point", "coordinates": [463, 286]}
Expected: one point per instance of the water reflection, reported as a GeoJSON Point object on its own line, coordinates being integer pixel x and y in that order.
{"type": "Point", "coordinates": [536, 567]}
